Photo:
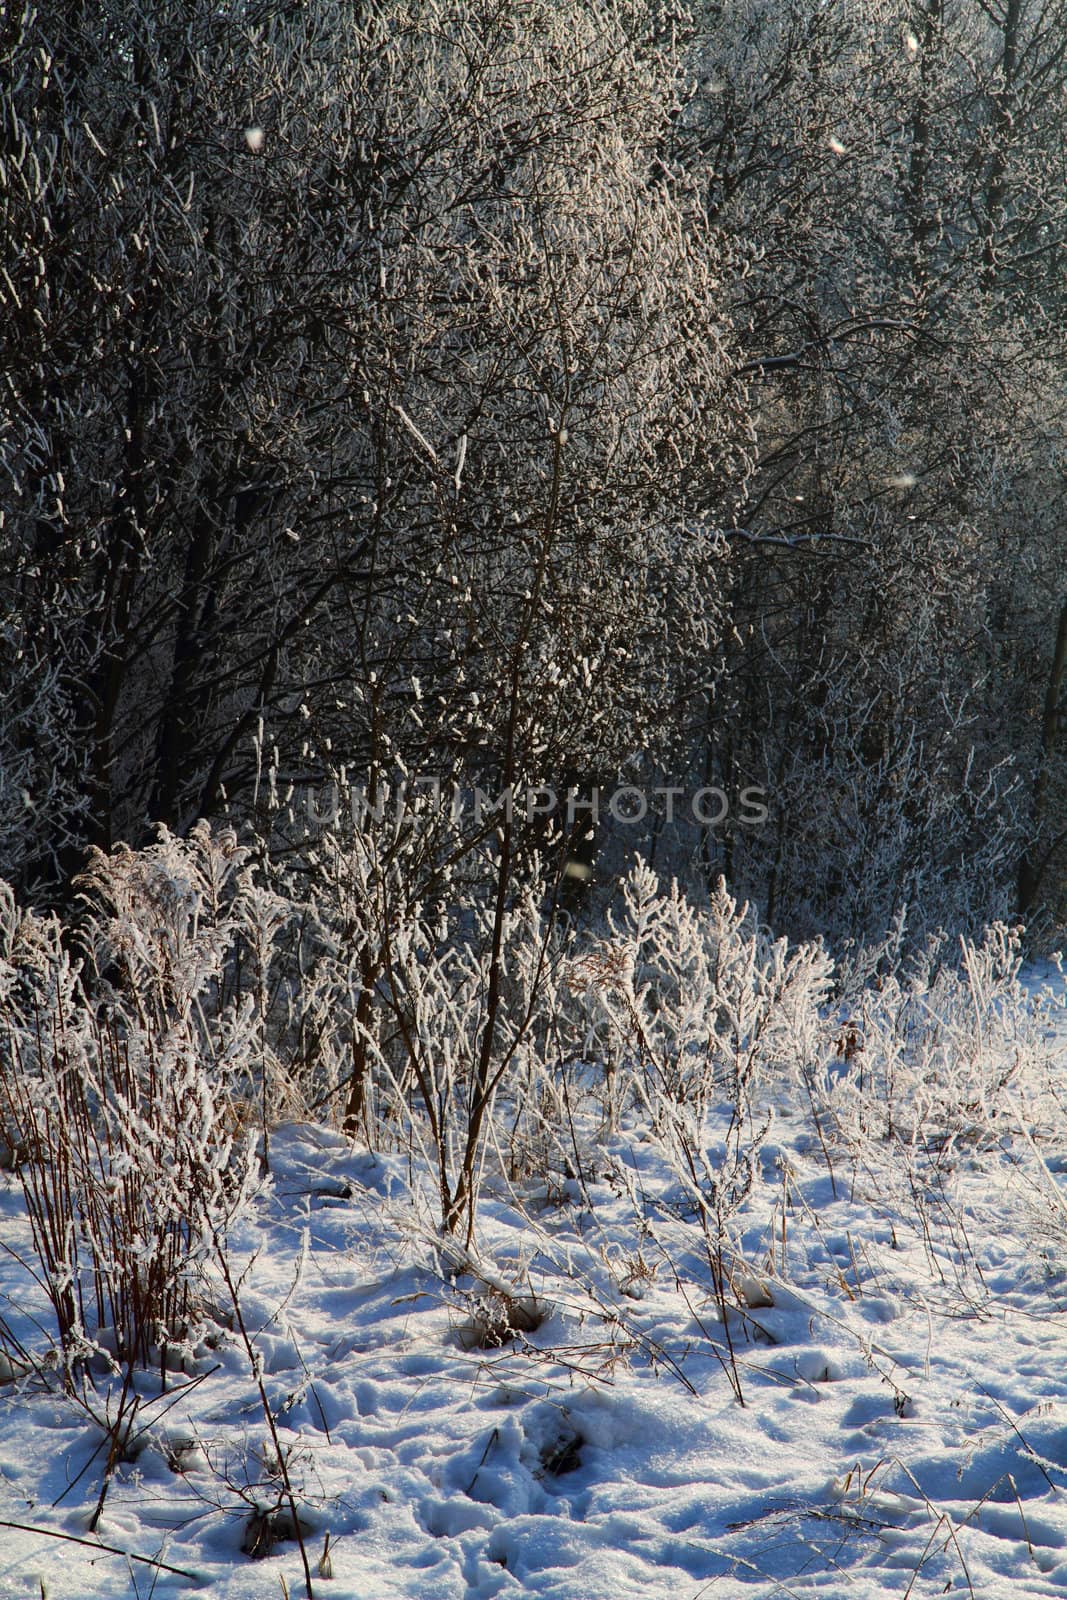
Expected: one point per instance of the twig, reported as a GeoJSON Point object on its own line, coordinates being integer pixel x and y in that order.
{"type": "Point", "coordinates": [109, 1549]}
{"type": "Point", "coordinates": [490, 1442]}
{"type": "Point", "coordinates": [268, 1414]}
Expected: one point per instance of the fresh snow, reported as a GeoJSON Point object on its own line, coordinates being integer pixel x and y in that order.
{"type": "Point", "coordinates": [901, 1360]}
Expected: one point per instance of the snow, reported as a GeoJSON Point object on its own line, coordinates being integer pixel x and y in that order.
{"type": "Point", "coordinates": [892, 1421]}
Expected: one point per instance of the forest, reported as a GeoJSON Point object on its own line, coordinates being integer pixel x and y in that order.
{"type": "Point", "coordinates": [533, 617]}
{"type": "Point", "coordinates": [520, 395]}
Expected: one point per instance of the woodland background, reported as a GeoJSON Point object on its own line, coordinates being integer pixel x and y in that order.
{"type": "Point", "coordinates": [533, 393]}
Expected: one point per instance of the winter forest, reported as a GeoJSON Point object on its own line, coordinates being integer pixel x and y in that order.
{"type": "Point", "coordinates": [533, 798]}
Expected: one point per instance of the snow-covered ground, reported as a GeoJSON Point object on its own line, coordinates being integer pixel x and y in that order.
{"type": "Point", "coordinates": [882, 1411]}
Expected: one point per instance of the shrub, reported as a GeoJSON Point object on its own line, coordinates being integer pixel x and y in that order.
{"type": "Point", "coordinates": [120, 1099]}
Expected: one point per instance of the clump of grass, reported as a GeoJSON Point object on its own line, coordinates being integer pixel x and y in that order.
{"type": "Point", "coordinates": [497, 1317]}
{"type": "Point", "coordinates": [122, 1160]}
{"type": "Point", "coordinates": [117, 1101]}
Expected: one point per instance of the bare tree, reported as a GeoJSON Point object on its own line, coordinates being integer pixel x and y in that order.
{"type": "Point", "coordinates": [893, 586]}
{"type": "Point", "coordinates": [357, 377]}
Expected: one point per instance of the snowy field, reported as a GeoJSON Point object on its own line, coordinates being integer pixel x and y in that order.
{"type": "Point", "coordinates": [856, 1385]}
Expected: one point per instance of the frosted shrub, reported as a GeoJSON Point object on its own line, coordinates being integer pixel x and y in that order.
{"type": "Point", "coordinates": [685, 1004]}
{"type": "Point", "coordinates": [418, 1011]}
{"type": "Point", "coordinates": [459, 1071]}
{"type": "Point", "coordinates": [185, 940]}
{"type": "Point", "coordinates": [923, 834]}
{"type": "Point", "coordinates": [119, 1099]}
{"type": "Point", "coordinates": [361, 887]}
{"type": "Point", "coordinates": [689, 1005]}
{"type": "Point", "coordinates": [959, 1055]}
{"type": "Point", "coordinates": [163, 919]}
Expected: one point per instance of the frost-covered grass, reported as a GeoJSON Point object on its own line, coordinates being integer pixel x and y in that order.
{"type": "Point", "coordinates": [762, 1298]}
{"type": "Point", "coordinates": [904, 1411]}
